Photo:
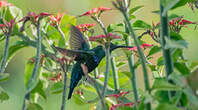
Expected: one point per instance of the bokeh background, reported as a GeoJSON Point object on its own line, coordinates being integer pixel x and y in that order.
{"type": "Point", "coordinates": [15, 85]}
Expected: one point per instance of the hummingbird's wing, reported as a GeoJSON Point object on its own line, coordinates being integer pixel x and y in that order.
{"type": "Point", "coordinates": [77, 40]}
{"type": "Point", "coordinates": [71, 53]}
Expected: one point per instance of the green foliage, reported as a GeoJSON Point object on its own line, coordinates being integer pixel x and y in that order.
{"type": "Point", "coordinates": [56, 88]}
{"type": "Point", "coordinates": [48, 81]}
{"type": "Point", "coordinates": [139, 24]}
{"type": "Point", "coordinates": [34, 106]}
{"type": "Point", "coordinates": [4, 76]}
{"type": "Point", "coordinates": [3, 95]}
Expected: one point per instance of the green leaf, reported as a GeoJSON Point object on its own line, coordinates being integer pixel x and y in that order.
{"type": "Point", "coordinates": [53, 33]}
{"type": "Point", "coordinates": [78, 99]}
{"type": "Point", "coordinates": [192, 98]}
{"type": "Point", "coordinates": [160, 61]}
{"type": "Point", "coordinates": [175, 43]}
{"type": "Point", "coordinates": [178, 79]}
{"type": "Point", "coordinates": [39, 89]}
{"type": "Point", "coordinates": [132, 17]}
{"type": "Point", "coordinates": [28, 73]}
{"type": "Point", "coordinates": [4, 76]}
{"type": "Point", "coordinates": [131, 11]}
{"type": "Point", "coordinates": [172, 16]}
{"type": "Point", "coordinates": [166, 106]}
{"type": "Point", "coordinates": [175, 36]}
{"type": "Point", "coordinates": [154, 50]}
{"type": "Point", "coordinates": [15, 48]}
{"type": "Point", "coordinates": [141, 24]}
{"type": "Point", "coordinates": [34, 106]}
{"type": "Point", "coordinates": [128, 74]}
{"type": "Point", "coordinates": [115, 27]}
{"type": "Point", "coordinates": [12, 12]}
{"type": "Point", "coordinates": [168, 4]}
{"type": "Point", "coordinates": [162, 84]}
{"type": "Point", "coordinates": [182, 68]}
{"type": "Point", "coordinates": [56, 88]}
{"type": "Point", "coordinates": [182, 3]}
{"type": "Point", "coordinates": [3, 96]}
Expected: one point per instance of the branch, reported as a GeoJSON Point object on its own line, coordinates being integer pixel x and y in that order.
{"type": "Point", "coordinates": [5, 56]}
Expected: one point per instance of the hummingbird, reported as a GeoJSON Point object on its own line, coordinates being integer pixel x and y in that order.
{"type": "Point", "coordinates": [83, 55]}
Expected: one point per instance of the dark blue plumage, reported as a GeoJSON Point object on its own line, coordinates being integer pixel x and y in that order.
{"type": "Point", "coordinates": [83, 55]}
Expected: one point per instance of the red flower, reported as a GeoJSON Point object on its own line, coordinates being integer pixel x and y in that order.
{"type": "Point", "coordinates": [4, 3]}
{"type": "Point", "coordinates": [130, 104]}
{"type": "Point", "coordinates": [146, 45]}
{"type": "Point", "coordinates": [84, 27]}
{"type": "Point", "coordinates": [33, 17]}
{"type": "Point", "coordinates": [95, 11]}
{"type": "Point", "coordinates": [99, 37]}
{"type": "Point", "coordinates": [119, 95]}
{"type": "Point", "coordinates": [57, 18]}
{"type": "Point", "coordinates": [114, 107]}
{"type": "Point", "coordinates": [8, 26]}
{"type": "Point", "coordinates": [141, 46]}
{"type": "Point", "coordinates": [104, 9]}
{"type": "Point", "coordinates": [183, 22]}
{"type": "Point", "coordinates": [114, 95]}
{"type": "Point", "coordinates": [124, 93]}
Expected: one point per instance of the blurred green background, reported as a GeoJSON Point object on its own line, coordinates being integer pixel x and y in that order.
{"type": "Point", "coordinates": [15, 85]}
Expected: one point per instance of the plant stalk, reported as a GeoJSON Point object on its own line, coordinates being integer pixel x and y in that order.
{"type": "Point", "coordinates": [5, 56]}
{"type": "Point", "coordinates": [64, 87]}
{"type": "Point", "coordinates": [164, 33]}
{"type": "Point", "coordinates": [131, 64]}
{"type": "Point", "coordinates": [141, 55]}
{"type": "Point", "coordinates": [133, 72]}
{"type": "Point", "coordinates": [36, 66]}
{"type": "Point", "coordinates": [115, 74]}
{"type": "Point", "coordinates": [61, 33]}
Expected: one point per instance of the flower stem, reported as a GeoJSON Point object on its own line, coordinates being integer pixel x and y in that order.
{"type": "Point", "coordinates": [36, 66]}
{"type": "Point", "coordinates": [5, 56]}
{"type": "Point", "coordinates": [34, 44]}
{"type": "Point", "coordinates": [108, 57]}
{"type": "Point", "coordinates": [141, 55]}
{"type": "Point", "coordinates": [115, 74]}
{"type": "Point", "coordinates": [64, 87]}
{"type": "Point", "coordinates": [133, 72]}
{"type": "Point", "coordinates": [61, 33]}
{"type": "Point", "coordinates": [163, 34]}
{"type": "Point", "coordinates": [131, 65]}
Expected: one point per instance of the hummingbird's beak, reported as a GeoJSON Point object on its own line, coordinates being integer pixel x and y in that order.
{"type": "Point", "coordinates": [113, 47]}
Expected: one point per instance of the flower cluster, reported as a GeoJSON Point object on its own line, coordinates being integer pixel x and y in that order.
{"type": "Point", "coordinates": [95, 11]}
{"type": "Point", "coordinates": [42, 60]}
{"type": "Point", "coordinates": [144, 45]}
{"type": "Point", "coordinates": [4, 3]}
{"type": "Point", "coordinates": [56, 78]}
{"type": "Point", "coordinates": [85, 27]}
{"type": "Point", "coordinates": [56, 19]}
{"type": "Point", "coordinates": [114, 107]}
{"type": "Point", "coordinates": [8, 26]}
{"type": "Point", "coordinates": [121, 94]}
{"type": "Point", "coordinates": [103, 38]}
{"type": "Point", "coordinates": [33, 17]}
{"type": "Point", "coordinates": [176, 24]}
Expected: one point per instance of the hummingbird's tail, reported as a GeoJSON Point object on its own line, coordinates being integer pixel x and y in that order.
{"type": "Point", "coordinates": [76, 75]}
